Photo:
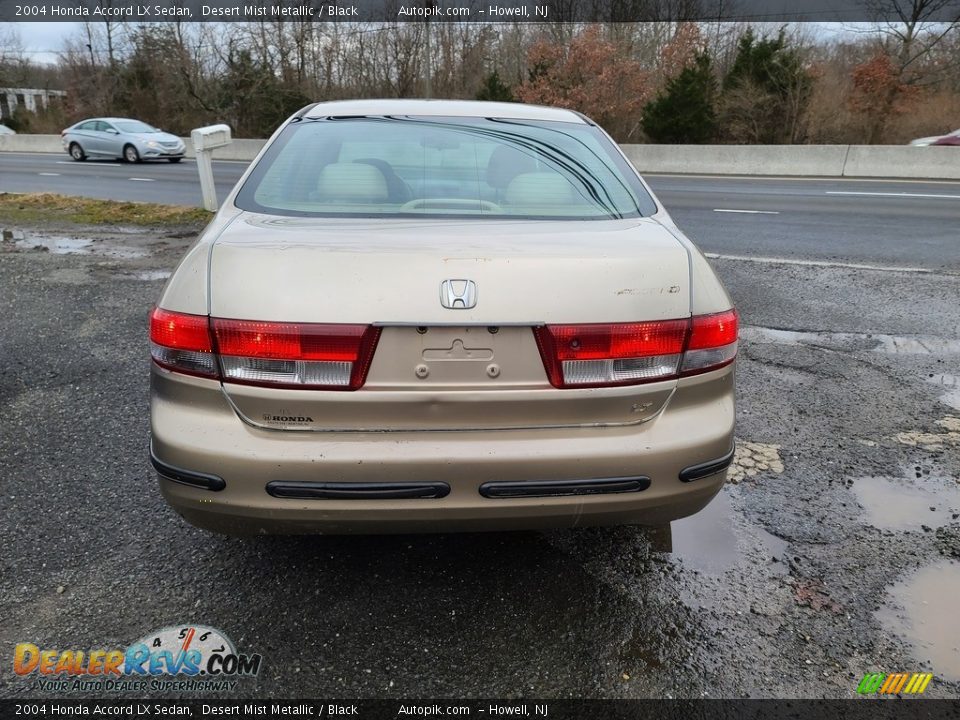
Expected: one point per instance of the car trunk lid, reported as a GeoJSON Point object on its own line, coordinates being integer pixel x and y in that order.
{"type": "Point", "coordinates": [435, 367]}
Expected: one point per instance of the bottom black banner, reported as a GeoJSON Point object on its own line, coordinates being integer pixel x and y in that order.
{"type": "Point", "coordinates": [854, 709]}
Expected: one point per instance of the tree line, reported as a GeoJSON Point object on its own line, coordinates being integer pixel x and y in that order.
{"type": "Point", "coordinates": [685, 82]}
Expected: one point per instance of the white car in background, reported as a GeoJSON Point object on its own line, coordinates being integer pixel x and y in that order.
{"type": "Point", "coordinates": [124, 138]}
{"type": "Point", "coordinates": [948, 139]}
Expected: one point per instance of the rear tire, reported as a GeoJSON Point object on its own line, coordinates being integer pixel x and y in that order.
{"type": "Point", "coordinates": [130, 154]}
{"type": "Point", "coordinates": [77, 153]}
{"type": "Point", "coordinates": [174, 160]}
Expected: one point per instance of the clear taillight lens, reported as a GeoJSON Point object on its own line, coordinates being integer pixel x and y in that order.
{"type": "Point", "coordinates": [601, 355]}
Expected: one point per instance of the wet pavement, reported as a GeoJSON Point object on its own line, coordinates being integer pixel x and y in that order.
{"type": "Point", "coordinates": [923, 608]}
{"type": "Point", "coordinates": [834, 551]}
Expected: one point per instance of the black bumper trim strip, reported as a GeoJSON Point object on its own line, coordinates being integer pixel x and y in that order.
{"type": "Point", "coordinates": [564, 488]}
{"type": "Point", "coordinates": [357, 491]}
{"type": "Point", "coordinates": [187, 477]}
{"type": "Point", "coordinates": [711, 467]}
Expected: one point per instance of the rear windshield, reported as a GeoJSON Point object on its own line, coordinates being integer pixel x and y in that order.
{"type": "Point", "coordinates": [403, 166]}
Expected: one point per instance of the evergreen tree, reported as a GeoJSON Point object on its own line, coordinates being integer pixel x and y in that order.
{"type": "Point", "coordinates": [766, 91]}
{"type": "Point", "coordinates": [683, 112]}
{"type": "Point", "coordinates": [494, 89]}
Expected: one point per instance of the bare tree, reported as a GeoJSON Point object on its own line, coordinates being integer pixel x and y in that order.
{"type": "Point", "coordinates": [910, 32]}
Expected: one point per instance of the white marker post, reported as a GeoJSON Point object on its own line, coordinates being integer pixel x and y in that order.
{"type": "Point", "coordinates": [204, 140]}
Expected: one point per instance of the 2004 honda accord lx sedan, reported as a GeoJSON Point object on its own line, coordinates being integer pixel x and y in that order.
{"type": "Point", "coordinates": [439, 315]}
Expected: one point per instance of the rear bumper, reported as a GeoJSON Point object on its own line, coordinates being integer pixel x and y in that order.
{"type": "Point", "coordinates": [195, 430]}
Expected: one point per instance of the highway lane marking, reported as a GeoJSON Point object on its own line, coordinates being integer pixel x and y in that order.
{"type": "Point", "coordinates": [749, 212]}
{"type": "Point", "coordinates": [141, 179]}
{"type": "Point", "coordinates": [50, 174]}
{"type": "Point", "coordinates": [892, 194]}
{"type": "Point", "coordinates": [798, 178]}
{"type": "Point", "coordinates": [820, 263]}
{"type": "Point", "coordinates": [115, 166]}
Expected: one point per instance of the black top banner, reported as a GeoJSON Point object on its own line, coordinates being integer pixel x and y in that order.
{"type": "Point", "coordinates": [532, 11]}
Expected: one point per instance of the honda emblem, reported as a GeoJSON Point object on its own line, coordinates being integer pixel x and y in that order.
{"type": "Point", "coordinates": [458, 294]}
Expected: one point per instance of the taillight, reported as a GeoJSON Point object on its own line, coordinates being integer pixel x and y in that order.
{"type": "Point", "coordinates": [712, 344]}
{"type": "Point", "coordinates": [297, 355]}
{"type": "Point", "coordinates": [618, 354]}
{"type": "Point", "coordinates": [182, 342]}
{"type": "Point", "coordinates": [601, 355]}
{"type": "Point", "coordinates": [291, 355]}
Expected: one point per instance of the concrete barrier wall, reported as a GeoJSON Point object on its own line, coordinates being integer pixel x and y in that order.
{"type": "Point", "coordinates": [31, 143]}
{"type": "Point", "coordinates": [822, 160]}
{"type": "Point", "coordinates": [237, 150]}
{"type": "Point", "coordinates": [244, 150]}
{"type": "Point", "coordinates": [903, 161]}
{"type": "Point", "coordinates": [867, 161]}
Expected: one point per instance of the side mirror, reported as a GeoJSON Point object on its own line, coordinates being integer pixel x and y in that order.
{"type": "Point", "coordinates": [112, 131]}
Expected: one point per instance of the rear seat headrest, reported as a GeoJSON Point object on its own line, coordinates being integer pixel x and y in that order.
{"type": "Point", "coordinates": [506, 163]}
{"type": "Point", "coordinates": [351, 183]}
{"type": "Point", "coordinates": [539, 189]}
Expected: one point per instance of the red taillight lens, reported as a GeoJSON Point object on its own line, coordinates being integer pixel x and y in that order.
{"type": "Point", "coordinates": [712, 331]}
{"type": "Point", "coordinates": [182, 342]}
{"type": "Point", "coordinates": [294, 355]}
{"type": "Point", "coordinates": [713, 343]}
{"type": "Point", "coordinates": [601, 355]}
{"type": "Point", "coordinates": [335, 357]}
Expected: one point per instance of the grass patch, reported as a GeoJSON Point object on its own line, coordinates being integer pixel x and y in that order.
{"type": "Point", "coordinates": [46, 207]}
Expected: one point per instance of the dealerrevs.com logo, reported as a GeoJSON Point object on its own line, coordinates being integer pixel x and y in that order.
{"type": "Point", "coordinates": [192, 658]}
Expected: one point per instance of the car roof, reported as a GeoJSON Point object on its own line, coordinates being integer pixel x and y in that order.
{"type": "Point", "coordinates": [444, 108]}
{"type": "Point", "coordinates": [108, 119]}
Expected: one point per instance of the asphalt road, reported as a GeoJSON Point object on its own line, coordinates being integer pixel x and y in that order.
{"type": "Point", "coordinates": [834, 551]}
{"type": "Point", "coordinates": [902, 223]}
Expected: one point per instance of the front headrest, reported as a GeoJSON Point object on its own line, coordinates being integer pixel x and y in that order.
{"type": "Point", "coordinates": [351, 183]}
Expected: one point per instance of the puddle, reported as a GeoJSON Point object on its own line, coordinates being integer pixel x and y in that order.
{"type": "Point", "coordinates": [892, 344]}
{"type": "Point", "coordinates": [61, 245]}
{"type": "Point", "coordinates": [933, 441]}
{"type": "Point", "coordinates": [153, 275]}
{"type": "Point", "coordinates": [751, 459]}
{"type": "Point", "coordinates": [951, 383]}
{"type": "Point", "coordinates": [148, 275]}
{"type": "Point", "coordinates": [55, 245]}
{"type": "Point", "coordinates": [922, 610]}
{"type": "Point", "coordinates": [708, 541]}
{"type": "Point", "coordinates": [902, 504]}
